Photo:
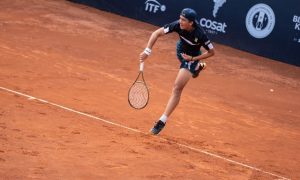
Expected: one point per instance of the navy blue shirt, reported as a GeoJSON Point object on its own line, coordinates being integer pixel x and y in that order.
{"type": "Point", "coordinates": [191, 41]}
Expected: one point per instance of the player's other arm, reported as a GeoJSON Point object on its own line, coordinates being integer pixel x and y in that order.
{"type": "Point", "coordinates": [154, 36]}
{"type": "Point", "coordinates": [210, 51]}
{"type": "Point", "coordinates": [207, 54]}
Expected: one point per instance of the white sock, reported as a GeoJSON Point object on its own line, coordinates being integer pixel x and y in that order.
{"type": "Point", "coordinates": [163, 118]}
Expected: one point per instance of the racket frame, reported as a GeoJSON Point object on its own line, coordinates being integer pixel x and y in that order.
{"type": "Point", "coordinates": [141, 73]}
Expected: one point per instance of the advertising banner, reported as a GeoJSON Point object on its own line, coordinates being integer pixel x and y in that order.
{"type": "Point", "coordinates": [263, 27]}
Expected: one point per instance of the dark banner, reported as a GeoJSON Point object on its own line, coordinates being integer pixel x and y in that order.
{"type": "Point", "coordinates": [264, 27]}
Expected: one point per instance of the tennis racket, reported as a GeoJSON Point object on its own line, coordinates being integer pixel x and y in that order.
{"type": "Point", "coordinates": [138, 94]}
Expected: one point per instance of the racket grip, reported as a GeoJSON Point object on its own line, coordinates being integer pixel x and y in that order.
{"type": "Point", "coordinates": [142, 66]}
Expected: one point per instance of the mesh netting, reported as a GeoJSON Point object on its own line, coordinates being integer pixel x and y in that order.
{"type": "Point", "coordinates": [138, 95]}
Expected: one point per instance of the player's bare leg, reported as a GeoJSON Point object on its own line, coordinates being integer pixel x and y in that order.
{"type": "Point", "coordinates": [182, 78]}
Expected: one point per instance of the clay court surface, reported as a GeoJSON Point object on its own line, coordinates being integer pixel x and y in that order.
{"type": "Point", "coordinates": [85, 59]}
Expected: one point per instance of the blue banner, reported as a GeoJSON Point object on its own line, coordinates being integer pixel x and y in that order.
{"type": "Point", "coordinates": [264, 27]}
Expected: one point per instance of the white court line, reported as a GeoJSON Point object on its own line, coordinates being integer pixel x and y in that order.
{"type": "Point", "coordinates": [138, 131]}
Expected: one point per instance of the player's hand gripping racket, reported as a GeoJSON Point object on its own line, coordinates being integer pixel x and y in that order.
{"type": "Point", "coordinates": [138, 94]}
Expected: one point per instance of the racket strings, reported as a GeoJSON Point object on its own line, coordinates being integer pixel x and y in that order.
{"type": "Point", "coordinates": [138, 95]}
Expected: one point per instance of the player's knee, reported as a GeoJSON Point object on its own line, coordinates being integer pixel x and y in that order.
{"type": "Point", "coordinates": [177, 89]}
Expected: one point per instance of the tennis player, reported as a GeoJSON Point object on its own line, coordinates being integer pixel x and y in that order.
{"type": "Point", "coordinates": [191, 38]}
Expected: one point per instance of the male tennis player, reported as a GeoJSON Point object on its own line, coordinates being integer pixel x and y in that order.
{"type": "Point", "coordinates": [191, 38]}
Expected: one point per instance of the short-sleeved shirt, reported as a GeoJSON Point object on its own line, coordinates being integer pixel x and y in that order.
{"type": "Point", "coordinates": [191, 41]}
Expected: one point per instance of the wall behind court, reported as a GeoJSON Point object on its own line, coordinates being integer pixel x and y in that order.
{"type": "Point", "coordinates": [263, 27]}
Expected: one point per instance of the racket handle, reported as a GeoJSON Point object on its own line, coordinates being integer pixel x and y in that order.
{"type": "Point", "coordinates": [142, 66]}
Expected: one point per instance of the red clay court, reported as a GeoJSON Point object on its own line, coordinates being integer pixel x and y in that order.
{"type": "Point", "coordinates": [65, 70]}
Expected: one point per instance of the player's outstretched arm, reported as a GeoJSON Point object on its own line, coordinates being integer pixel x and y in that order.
{"type": "Point", "coordinates": [154, 36]}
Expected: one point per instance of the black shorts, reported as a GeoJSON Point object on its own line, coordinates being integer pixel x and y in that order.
{"type": "Point", "coordinates": [189, 65]}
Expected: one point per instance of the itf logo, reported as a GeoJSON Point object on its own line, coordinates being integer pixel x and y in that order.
{"type": "Point", "coordinates": [153, 6]}
{"type": "Point", "coordinates": [260, 21]}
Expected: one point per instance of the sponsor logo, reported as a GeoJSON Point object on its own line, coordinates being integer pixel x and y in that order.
{"type": "Point", "coordinates": [260, 20]}
{"type": "Point", "coordinates": [212, 26]}
{"type": "Point", "coordinates": [296, 20]}
{"type": "Point", "coordinates": [217, 5]}
{"type": "Point", "coordinates": [297, 40]}
{"type": "Point", "coordinates": [153, 6]}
